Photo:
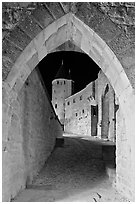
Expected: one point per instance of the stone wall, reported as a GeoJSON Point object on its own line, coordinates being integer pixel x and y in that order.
{"type": "Point", "coordinates": [78, 111]}
{"type": "Point", "coordinates": [61, 89]}
{"type": "Point", "coordinates": [125, 175]}
{"type": "Point", "coordinates": [101, 84]}
{"type": "Point", "coordinates": [124, 162]}
{"type": "Point", "coordinates": [31, 136]}
{"type": "Point", "coordinates": [105, 33]}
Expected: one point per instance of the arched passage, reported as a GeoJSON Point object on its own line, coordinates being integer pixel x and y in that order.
{"type": "Point", "coordinates": [69, 27]}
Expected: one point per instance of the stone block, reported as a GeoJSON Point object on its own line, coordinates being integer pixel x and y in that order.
{"type": "Point", "coordinates": [27, 54]}
{"type": "Point", "coordinates": [88, 14]}
{"type": "Point", "coordinates": [4, 95]}
{"type": "Point", "coordinates": [127, 58]}
{"type": "Point", "coordinates": [55, 9]}
{"type": "Point", "coordinates": [15, 106]}
{"type": "Point", "coordinates": [12, 95]}
{"type": "Point", "coordinates": [5, 125]}
{"type": "Point", "coordinates": [32, 63]}
{"type": "Point", "coordinates": [39, 41]}
{"type": "Point", "coordinates": [123, 165]}
{"type": "Point", "coordinates": [108, 54]}
{"type": "Point", "coordinates": [98, 54]}
{"type": "Point", "coordinates": [115, 63]}
{"type": "Point", "coordinates": [96, 17]}
{"type": "Point", "coordinates": [50, 43]}
{"type": "Point", "coordinates": [61, 35]}
{"type": "Point", "coordinates": [83, 11]}
{"type": "Point", "coordinates": [5, 72]}
{"type": "Point", "coordinates": [107, 30]}
{"type": "Point", "coordinates": [10, 51]}
{"type": "Point", "coordinates": [130, 72]}
{"type": "Point", "coordinates": [85, 45]}
{"type": "Point", "coordinates": [66, 6]}
{"type": "Point", "coordinates": [7, 66]}
{"type": "Point", "coordinates": [98, 42]}
{"type": "Point", "coordinates": [53, 27]}
{"type": "Point", "coordinates": [42, 52]}
{"type": "Point", "coordinates": [105, 65]}
{"type": "Point", "coordinates": [42, 15]}
{"type": "Point", "coordinates": [85, 30]}
{"type": "Point", "coordinates": [112, 75]}
{"type": "Point", "coordinates": [121, 83]}
{"type": "Point", "coordinates": [127, 98]}
{"type": "Point", "coordinates": [29, 25]}
{"type": "Point", "coordinates": [11, 79]}
{"type": "Point", "coordinates": [24, 72]}
{"type": "Point", "coordinates": [121, 43]}
{"type": "Point", "coordinates": [93, 57]}
{"type": "Point", "coordinates": [18, 85]}
{"type": "Point", "coordinates": [19, 38]}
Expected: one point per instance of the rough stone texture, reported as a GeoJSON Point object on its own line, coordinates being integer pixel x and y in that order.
{"type": "Point", "coordinates": [18, 37]}
{"type": "Point", "coordinates": [6, 67]}
{"type": "Point", "coordinates": [55, 9]}
{"type": "Point", "coordinates": [96, 16]}
{"type": "Point", "coordinates": [29, 25]}
{"type": "Point", "coordinates": [77, 121]}
{"type": "Point", "coordinates": [127, 59]}
{"type": "Point", "coordinates": [42, 15]}
{"type": "Point", "coordinates": [107, 30]}
{"type": "Point", "coordinates": [119, 35]}
{"type": "Point", "coordinates": [123, 158]}
{"type": "Point", "coordinates": [121, 13]}
{"type": "Point", "coordinates": [61, 89]}
{"type": "Point", "coordinates": [89, 14]}
{"type": "Point", "coordinates": [31, 136]}
{"type": "Point", "coordinates": [102, 82]}
{"type": "Point", "coordinates": [68, 46]}
{"type": "Point", "coordinates": [10, 50]}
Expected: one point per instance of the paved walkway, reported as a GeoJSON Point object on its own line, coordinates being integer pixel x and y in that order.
{"type": "Point", "coordinates": [74, 172]}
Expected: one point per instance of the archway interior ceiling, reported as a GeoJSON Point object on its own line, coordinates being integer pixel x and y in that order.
{"type": "Point", "coordinates": [32, 17]}
{"type": "Point", "coordinates": [69, 27]}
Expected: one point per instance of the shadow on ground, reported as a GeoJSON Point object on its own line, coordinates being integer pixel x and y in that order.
{"type": "Point", "coordinates": [74, 168]}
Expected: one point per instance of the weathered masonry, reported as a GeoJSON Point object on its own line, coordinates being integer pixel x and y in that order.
{"type": "Point", "coordinates": [92, 111]}
{"type": "Point", "coordinates": [78, 111]}
{"type": "Point", "coordinates": [105, 32]}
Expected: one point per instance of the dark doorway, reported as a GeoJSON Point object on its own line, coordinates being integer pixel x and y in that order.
{"type": "Point", "coordinates": [105, 114]}
{"type": "Point", "coordinates": [94, 120]}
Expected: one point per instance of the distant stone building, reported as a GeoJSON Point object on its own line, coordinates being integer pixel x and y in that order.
{"type": "Point", "coordinates": [80, 112]}
{"type": "Point", "coordinates": [91, 111]}
{"type": "Point", "coordinates": [62, 88]}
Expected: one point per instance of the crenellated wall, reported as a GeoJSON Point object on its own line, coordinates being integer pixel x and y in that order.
{"type": "Point", "coordinates": [78, 111]}
{"type": "Point", "coordinates": [31, 136]}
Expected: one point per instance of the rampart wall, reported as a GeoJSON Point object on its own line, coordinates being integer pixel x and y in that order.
{"type": "Point", "coordinates": [31, 136]}
{"type": "Point", "coordinates": [78, 111]}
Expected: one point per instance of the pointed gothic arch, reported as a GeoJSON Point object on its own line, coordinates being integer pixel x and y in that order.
{"type": "Point", "coordinates": [70, 28]}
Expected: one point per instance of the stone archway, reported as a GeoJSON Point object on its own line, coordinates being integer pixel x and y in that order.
{"type": "Point", "coordinates": [69, 27]}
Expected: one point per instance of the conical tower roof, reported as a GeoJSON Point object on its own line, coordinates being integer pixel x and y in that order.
{"type": "Point", "coordinates": [63, 73]}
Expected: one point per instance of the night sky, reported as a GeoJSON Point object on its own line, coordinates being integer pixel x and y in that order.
{"type": "Point", "coordinates": [83, 70]}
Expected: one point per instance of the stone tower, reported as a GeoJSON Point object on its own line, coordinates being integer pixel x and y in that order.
{"type": "Point", "coordinates": [62, 87]}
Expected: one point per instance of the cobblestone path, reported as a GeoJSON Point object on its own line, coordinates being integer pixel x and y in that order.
{"type": "Point", "coordinates": [74, 172]}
